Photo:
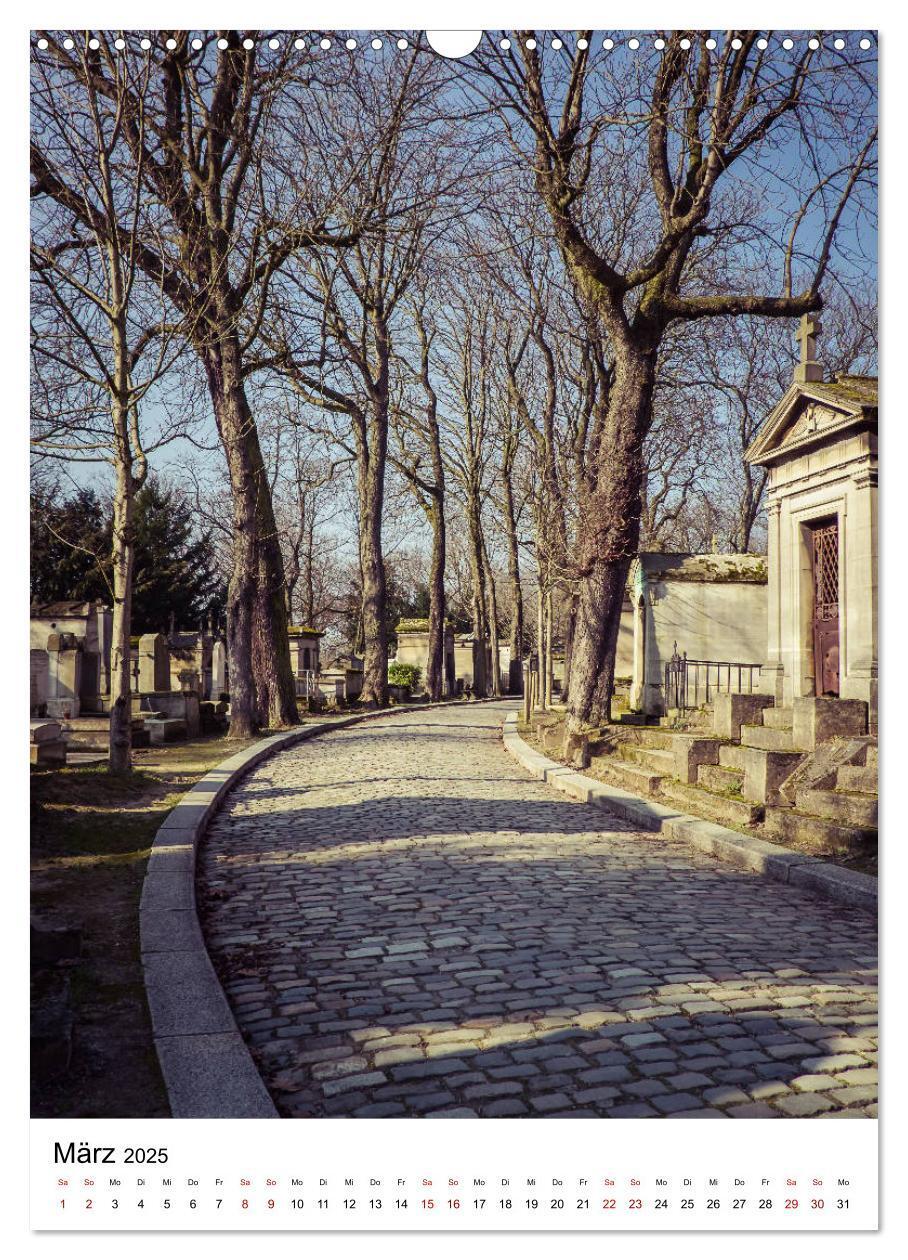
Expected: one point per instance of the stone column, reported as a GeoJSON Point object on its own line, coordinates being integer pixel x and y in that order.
{"type": "Point", "coordinates": [773, 671]}
{"type": "Point", "coordinates": [154, 663]}
{"type": "Point", "coordinates": [105, 628]}
{"type": "Point", "coordinates": [638, 677]}
{"type": "Point", "coordinates": [858, 629]}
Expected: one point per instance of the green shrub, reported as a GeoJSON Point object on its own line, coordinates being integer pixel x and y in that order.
{"type": "Point", "coordinates": [404, 675]}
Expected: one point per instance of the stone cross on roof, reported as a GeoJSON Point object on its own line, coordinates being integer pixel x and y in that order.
{"type": "Point", "coordinates": [808, 369]}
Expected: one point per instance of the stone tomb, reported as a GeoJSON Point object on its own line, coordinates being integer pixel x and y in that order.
{"type": "Point", "coordinates": [64, 675]}
{"type": "Point", "coordinates": [304, 649]}
{"type": "Point", "coordinates": [91, 624]}
{"type": "Point", "coordinates": [154, 664]}
{"type": "Point", "coordinates": [305, 662]}
{"type": "Point", "coordinates": [191, 650]}
{"type": "Point", "coordinates": [47, 747]}
{"type": "Point", "coordinates": [413, 649]}
{"type": "Point", "coordinates": [472, 663]}
{"type": "Point", "coordinates": [820, 446]}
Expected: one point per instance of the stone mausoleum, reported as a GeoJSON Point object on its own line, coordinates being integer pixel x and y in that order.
{"type": "Point", "coordinates": [819, 444]}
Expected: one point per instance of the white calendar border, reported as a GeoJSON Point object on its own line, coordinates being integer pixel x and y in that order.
{"type": "Point", "coordinates": [13, 924]}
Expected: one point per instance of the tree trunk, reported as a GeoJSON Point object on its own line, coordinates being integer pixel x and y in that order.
{"type": "Point", "coordinates": [371, 485]}
{"type": "Point", "coordinates": [435, 664]}
{"type": "Point", "coordinates": [120, 751]}
{"type": "Point", "coordinates": [540, 647]}
{"type": "Point", "coordinates": [516, 635]}
{"type": "Point", "coordinates": [569, 631]}
{"type": "Point", "coordinates": [492, 618]}
{"type": "Point", "coordinates": [608, 536]}
{"type": "Point", "coordinates": [477, 576]}
{"type": "Point", "coordinates": [262, 688]}
{"type": "Point", "coordinates": [549, 661]}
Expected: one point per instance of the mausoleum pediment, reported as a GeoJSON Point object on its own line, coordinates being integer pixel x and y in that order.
{"type": "Point", "coordinates": [812, 412]}
{"type": "Point", "coordinates": [814, 417]}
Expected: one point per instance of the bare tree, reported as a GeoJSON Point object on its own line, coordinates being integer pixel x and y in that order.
{"type": "Point", "coordinates": [418, 439]}
{"type": "Point", "coordinates": [197, 124]}
{"type": "Point", "coordinates": [700, 118]}
{"type": "Point", "coordinates": [335, 337]}
{"type": "Point", "coordinates": [100, 339]}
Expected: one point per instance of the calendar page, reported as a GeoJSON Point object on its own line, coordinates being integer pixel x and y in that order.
{"type": "Point", "coordinates": [453, 629]}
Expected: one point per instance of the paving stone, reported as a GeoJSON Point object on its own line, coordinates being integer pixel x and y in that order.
{"type": "Point", "coordinates": [688, 1080]}
{"type": "Point", "coordinates": [602, 1095]}
{"type": "Point", "coordinates": [631, 1111]}
{"type": "Point", "coordinates": [753, 1111]}
{"type": "Point", "coordinates": [498, 1089]}
{"type": "Point", "coordinates": [504, 1107]}
{"type": "Point", "coordinates": [769, 1089]}
{"type": "Point", "coordinates": [803, 1104]}
{"type": "Point", "coordinates": [858, 1076]}
{"type": "Point", "coordinates": [550, 1102]}
{"type": "Point", "coordinates": [725, 1096]}
{"type": "Point", "coordinates": [835, 1062]}
{"type": "Point", "coordinates": [812, 1082]}
{"type": "Point", "coordinates": [668, 1103]}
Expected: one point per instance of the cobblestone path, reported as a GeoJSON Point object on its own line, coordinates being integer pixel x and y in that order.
{"type": "Point", "coordinates": [406, 924]}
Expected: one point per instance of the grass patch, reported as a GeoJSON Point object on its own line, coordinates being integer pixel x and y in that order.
{"type": "Point", "coordinates": [91, 834]}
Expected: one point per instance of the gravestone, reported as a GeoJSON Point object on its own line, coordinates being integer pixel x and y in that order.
{"type": "Point", "coordinates": [37, 692]}
{"type": "Point", "coordinates": [218, 670]}
{"type": "Point", "coordinates": [154, 663]}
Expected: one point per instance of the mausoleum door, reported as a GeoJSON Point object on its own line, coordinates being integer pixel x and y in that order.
{"type": "Point", "coordinates": [825, 558]}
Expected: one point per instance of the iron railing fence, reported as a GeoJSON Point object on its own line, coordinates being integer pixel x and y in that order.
{"type": "Point", "coordinates": [690, 683]}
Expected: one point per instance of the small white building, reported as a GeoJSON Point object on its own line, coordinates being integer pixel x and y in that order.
{"type": "Point", "coordinates": [709, 610]}
{"type": "Point", "coordinates": [820, 446]}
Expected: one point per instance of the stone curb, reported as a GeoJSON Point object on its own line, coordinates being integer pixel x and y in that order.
{"type": "Point", "coordinates": [207, 1068]}
{"type": "Point", "coordinates": [748, 853]}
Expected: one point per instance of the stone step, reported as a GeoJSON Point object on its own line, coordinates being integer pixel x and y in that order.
{"type": "Point", "coordinates": [720, 809]}
{"type": "Point", "coordinates": [696, 721]}
{"type": "Point", "coordinates": [806, 831]}
{"type": "Point", "coordinates": [639, 733]}
{"type": "Point", "coordinates": [851, 810]}
{"type": "Point", "coordinates": [873, 754]}
{"type": "Point", "coordinates": [720, 778]}
{"type": "Point", "coordinates": [778, 719]}
{"type": "Point", "coordinates": [857, 779]}
{"type": "Point", "coordinates": [88, 741]}
{"type": "Point", "coordinates": [661, 760]}
{"type": "Point", "coordinates": [633, 778]}
{"type": "Point", "coordinates": [732, 757]}
{"type": "Point", "coordinates": [768, 738]}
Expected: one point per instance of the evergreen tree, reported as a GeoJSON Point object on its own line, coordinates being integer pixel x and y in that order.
{"type": "Point", "coordinates": [70, 547]}
{"type": "Point", "coordinates": [176, 575]}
